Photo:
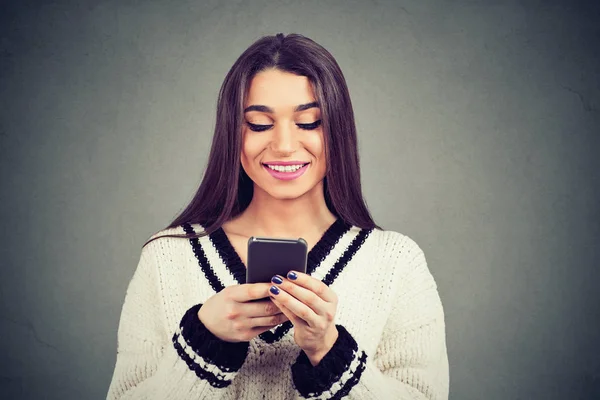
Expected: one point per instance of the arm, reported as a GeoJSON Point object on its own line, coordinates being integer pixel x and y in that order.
{"type": "Point", "coordinates": [153, 363]}
{"type": "Point", "coordinates": [411, 360]}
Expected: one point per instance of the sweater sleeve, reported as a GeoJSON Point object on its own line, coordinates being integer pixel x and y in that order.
{"type": "Point", "coordinates": [155, 363]}
{"type": "Point", "coordinates": [411, 360]}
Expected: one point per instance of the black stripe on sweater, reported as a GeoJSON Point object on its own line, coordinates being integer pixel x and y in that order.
{"type": "Point", "coordinates": [280, 331]}
{"type": "Point", "coordinates": [339, 265]}
{"type": "Point", "coordinates": [212, 278]}
{"type": "Point", "coordinates": [313, 381]}
{"type": "Point", "coordinates": [327, 242]}
{"type": "Point", "coordinates": [230, 257]}
{"type": "Point", "coordinates": [198, 370]}
{"type": "Point", "coordinates": [350, 383]}
{"type": "Point", "coordinates": [226, 356]}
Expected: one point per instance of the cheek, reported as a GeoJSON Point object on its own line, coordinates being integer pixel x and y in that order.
{"type": "Point", "coordinates": [251, 148]}
{"type": "Point", "coordinates": [315, 144]}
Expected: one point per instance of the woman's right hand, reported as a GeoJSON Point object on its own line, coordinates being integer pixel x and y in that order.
{"type": "Point", "coordinates": [231, 315]}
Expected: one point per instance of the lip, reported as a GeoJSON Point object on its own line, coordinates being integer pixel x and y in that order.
{"type": "Point", "coordinates": [286, 176]}
{"type": "Point", "coordinates": [284, 163]}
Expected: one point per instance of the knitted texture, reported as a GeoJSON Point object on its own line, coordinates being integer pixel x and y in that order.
{"type": "Point", "coordinates": [391, 332]}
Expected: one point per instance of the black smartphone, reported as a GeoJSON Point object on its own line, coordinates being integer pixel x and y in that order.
{"type": "Point", "coordinates": [274, 256]}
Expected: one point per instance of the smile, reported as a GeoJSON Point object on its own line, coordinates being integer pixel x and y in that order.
{"type": "Point", "coordinates": [285, 168]}
{"type": "Point", "coordinates": [286, 172]}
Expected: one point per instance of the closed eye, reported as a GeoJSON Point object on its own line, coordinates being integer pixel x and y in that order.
{"type": "Point", "coordinates": [310, 127]}
{"type": "Point", "coordinates": [261, 128]}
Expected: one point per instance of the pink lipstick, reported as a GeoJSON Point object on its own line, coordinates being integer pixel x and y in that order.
{"type": "Point", "coordinates": [286, 174]}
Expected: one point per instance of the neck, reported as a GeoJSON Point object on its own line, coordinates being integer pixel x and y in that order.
{"type": "Point", "coordinates": [269, 216]}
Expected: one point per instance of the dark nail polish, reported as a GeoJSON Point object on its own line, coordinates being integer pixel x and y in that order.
{"type": "Point", "coordinates": [276, 279]}
{"type": "Point", "coordinates": [274, 290]}
{"type": "Point", "coordinates": [292, 275]}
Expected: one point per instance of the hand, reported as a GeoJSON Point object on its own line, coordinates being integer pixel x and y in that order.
{"type": "Point", "coordinates": [311, 306]}
{"type": "Point", "coordinates": [231, 316]}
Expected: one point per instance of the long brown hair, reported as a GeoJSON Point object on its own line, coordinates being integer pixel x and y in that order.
{"type": "Point", "coordinates": [226, 190]}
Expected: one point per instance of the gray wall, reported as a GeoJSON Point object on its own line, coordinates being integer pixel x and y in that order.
{"type": "Point", "coordinates": [479, 130]}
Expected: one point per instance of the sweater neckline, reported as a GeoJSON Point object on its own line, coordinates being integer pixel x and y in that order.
{"type": "Point", "coordinates": [316, 255]}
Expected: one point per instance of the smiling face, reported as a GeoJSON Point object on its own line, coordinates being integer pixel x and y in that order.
{"type": "Point", "coordinates": [283, 147]}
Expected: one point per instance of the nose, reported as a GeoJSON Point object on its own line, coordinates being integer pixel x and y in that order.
{"type": "Point", "coordinates": [283, 141]}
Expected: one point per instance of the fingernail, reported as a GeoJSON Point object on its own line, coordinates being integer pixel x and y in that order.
{"type": "Point", "coordinates": [276, 279]}
{"type": "Point", "coordinates": [274, 290]}
{"type": "Point", "coordinates": [292, 275]}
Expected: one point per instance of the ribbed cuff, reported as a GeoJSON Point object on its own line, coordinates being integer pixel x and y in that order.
{"type": "Point", "coordinates": [343, 364]}
{"type": "Point", "coordinates": [208, 356]}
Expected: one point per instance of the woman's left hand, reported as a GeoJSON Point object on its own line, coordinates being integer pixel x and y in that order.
{"type": "Point", "coordinates": [311, 306]}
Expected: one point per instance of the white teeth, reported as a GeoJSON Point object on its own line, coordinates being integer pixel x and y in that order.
{"type": "Point", "coordinates": [286, 168]}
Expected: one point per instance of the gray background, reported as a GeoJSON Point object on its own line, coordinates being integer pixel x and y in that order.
{"type": "Point", "coordinates": [479, 128]}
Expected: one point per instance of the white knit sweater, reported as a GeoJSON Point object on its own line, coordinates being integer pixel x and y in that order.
{"type": "Point", "coordinates": [390, 320]}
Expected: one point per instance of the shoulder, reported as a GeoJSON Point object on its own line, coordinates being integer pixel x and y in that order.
{"type": "Point", "coordinates": [178, 230]}
{"type": "Point", "coordinates": [169, 238]}
{"type": "Point", "coordinates": [409, 267]}
{"type": "Point", "coordinates": [165, 249]}
{"type": "Point", "coordinates": [396, 245]}
{"type": "Point", "coordinates": [403, 258]}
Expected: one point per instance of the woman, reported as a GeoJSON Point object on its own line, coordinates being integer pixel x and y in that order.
{"type": "Point", "coordinates": [364, 322]}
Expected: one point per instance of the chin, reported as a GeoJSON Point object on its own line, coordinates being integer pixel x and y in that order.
{"type": "Point", "coordinates": [287, 191]}
{"type": "Point", "coordinates": [286, 194]}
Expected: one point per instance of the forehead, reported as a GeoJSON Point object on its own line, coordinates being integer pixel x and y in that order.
{"type": "Point", "coordinates": [280, 90]}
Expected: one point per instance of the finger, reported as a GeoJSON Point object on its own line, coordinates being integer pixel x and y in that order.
{"type": "Point", "coordinates": [260, 308]}
{"type": "Point", "coordinates": [248, 292]}
{"type": "Point", "coordinates": [314, 285]}
{"type": "Point", "coordinates": [268, 321]}
{"type": "Point", "coordinates": [295, 306]}
{"type": "Point", "coordinates": [289, 315]}
{"type": "Point", "coordinates": [306, 296]}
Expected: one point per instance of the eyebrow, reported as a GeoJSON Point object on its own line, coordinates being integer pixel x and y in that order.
{"type": "Point", "coordinates": [261, 108]}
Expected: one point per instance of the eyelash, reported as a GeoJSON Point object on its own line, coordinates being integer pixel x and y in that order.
{"type": "Point", "coordinates": [261, 128]}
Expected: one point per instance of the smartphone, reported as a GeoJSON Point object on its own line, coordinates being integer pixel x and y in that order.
{"type": "Point", "coordinates": [274, 256]}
